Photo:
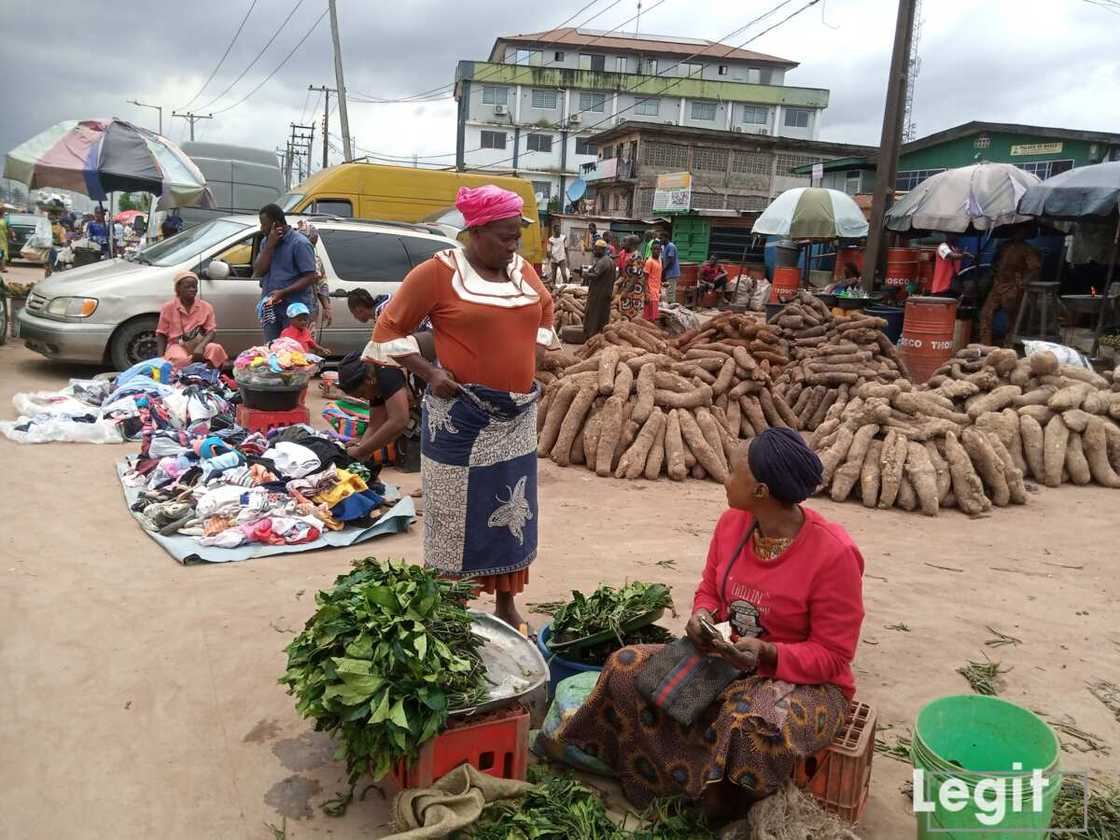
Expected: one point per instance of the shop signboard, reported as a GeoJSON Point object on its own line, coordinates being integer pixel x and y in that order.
{"type": "Point", "coordinates": [673, 193]}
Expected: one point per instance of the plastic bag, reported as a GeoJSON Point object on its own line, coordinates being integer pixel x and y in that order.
{"type": "Point", "coordinates": [1066, 355]}
{"type": "Point", "coordinates": [571, 693]}
{"type": "Point", "coordinates": [50, 429]}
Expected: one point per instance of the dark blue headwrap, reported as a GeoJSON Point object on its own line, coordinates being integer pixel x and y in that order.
{"type": "Point", "coordinates": [351, 372]}
{"type": "Point", "coordinates": [781, 460]}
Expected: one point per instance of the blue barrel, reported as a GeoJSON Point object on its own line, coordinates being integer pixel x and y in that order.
{"type": "Point", "coordinates": [558, 668]}
{"type": "Point", "coordinates": [893, 315]}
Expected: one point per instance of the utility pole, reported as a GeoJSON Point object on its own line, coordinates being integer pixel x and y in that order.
{"type": "Point", "coordinates": [299, 149]}
{"type": "Point", "coordinates": [192, 118]}
{"type": "Point", "coordinates": [340, 84]}
{"type": "Point", "coordinates": [887, 167]}
{"type": "Point", "coordinates": [156, 107]}
{"type": "Point", "coordinates": [326, 91]}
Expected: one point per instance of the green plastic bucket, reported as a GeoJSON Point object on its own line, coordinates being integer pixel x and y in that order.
{"type": "Point", "coordinates": [978, 741]}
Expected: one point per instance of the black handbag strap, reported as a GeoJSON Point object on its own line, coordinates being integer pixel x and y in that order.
{"type": "Point", "coordinates": [734, 558]}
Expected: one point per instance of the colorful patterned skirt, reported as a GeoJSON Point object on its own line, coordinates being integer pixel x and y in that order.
{"type": "Point", "coordinates": [752, 735]}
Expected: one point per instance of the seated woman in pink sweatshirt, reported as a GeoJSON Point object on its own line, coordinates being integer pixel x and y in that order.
{"type": "Point", "coordinates": [789, 582]}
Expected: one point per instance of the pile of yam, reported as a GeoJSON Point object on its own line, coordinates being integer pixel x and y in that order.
{"type": "Point", "coordinates": [973, 437]}
{"type": "Point", "coordinates": [830, 357]}
{"type": "Point", "coordinates": [638, 407]}
{"type": "Point", "coordinates": [746, 330]}
{"type": "Point", "coordinates": [568, 302]}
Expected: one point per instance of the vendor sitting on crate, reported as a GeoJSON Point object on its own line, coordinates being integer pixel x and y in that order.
{"type": "Point", "coordinates": [713, 276]}
{"type": "Point", "coordinates": [387, 392]}
{"type": "Point", "coordinates": [186, 328]}
{"type": "Point", "coordinates": [788, 581]}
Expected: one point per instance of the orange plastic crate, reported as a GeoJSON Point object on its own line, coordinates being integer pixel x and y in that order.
{"type": "Point", "coordinates": [839, 776]}
{"type": "Point", "coordinates": [256, 420]}
{"type": "Point", "coordinates": [496, 743]}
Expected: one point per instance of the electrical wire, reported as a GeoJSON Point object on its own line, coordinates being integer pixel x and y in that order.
{"type": "Point", "coordinates": [221, 60]}
{"type": "Point", "coordinates": [257, 58]}
{"type": "Point", "coordinates": [276, 70]}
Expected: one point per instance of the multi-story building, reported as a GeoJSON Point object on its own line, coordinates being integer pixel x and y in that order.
{"type": "Point", "coordinates": [729, 171]}
{"type": "Point", "coordinates": [532, 107]}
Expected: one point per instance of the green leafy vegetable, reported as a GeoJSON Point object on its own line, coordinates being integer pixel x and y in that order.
{"type": "Point", "coordinates": [385, 657]}
{"type": "Point", "coordinates": [607, 609]}
{"type": "Point", "coordinates": [598, 655]}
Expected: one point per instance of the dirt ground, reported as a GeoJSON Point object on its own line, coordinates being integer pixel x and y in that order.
{"type": "Point", "coordinates": [143, 695]}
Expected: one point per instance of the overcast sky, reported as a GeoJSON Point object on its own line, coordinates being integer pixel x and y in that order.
{"type": "Point", "coordinates": [1047, 63]}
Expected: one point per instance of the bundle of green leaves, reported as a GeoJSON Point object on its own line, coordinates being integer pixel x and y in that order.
{"type": "Point", "coordinates": [607, 609]}
{"type": "Point", "coordinates": [388, 653]}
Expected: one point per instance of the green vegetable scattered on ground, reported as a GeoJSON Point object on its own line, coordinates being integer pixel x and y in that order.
{"type": "Point", "coordinates": [901, 626]}
{"type": "Point", "coordinates": [983, 676]}
{"type": "Point", "coordinates": [1109, 694]}
{"type": "Point", "coordinates": [606, 609]}
{"type": "Point", "coordinates": [1001, 639]}
{"type": "Point", "coordinates": [387, 654]}
{"type": "Point", "coordinates": [1104, 810]}
{"type": "Point", "coordinates": [899, 749]}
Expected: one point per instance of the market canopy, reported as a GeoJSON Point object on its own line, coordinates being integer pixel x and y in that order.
{"type": "Point", "coordinates": [1076, 193]}
{"type": "Point", "coordinates": [978, 197]}
{"type": "Point", "coordinates": [96, 157]}
{"type": "Point", "coordinates": [812, 213]}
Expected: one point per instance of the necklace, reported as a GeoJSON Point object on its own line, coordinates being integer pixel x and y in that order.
{"type": "Point", "coordinates": [769, 548]}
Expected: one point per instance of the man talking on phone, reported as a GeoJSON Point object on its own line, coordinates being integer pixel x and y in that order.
{"type": "Point", "coordinates": [286, 268]}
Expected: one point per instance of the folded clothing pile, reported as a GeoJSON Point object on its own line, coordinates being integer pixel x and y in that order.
{"type": "Point", "coordinates": [281, 363]}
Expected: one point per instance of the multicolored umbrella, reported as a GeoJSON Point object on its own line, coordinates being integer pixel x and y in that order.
{"type": "Point", "coordinates": [978, 197]}
{"type": "Point", "coordinates": [96, 157]}
{"type": "Point", "coordinates": [126, 216]}
{"type": "Point", "coordinates": [812, 213]}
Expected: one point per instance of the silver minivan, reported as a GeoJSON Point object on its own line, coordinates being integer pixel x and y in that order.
{"type": "Point", "coordinates": [106, 313]}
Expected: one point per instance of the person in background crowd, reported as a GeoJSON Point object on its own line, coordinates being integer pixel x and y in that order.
{"type": "Point", "coordinates": [789, 584]}
{"type": "Point", "coordinates": [97, 231]}
{"type": "Point", "coordinates": [361, 305]}
{"type": "Point", "coordinates": [591, 237]}
{"type": "Point", "coordinates": [652, 272]}
{"type": "Point", "coordinates": [118, 235]}
{"type": "Point", "coordinates": [139, 225]}
{"type": "Point", "coordinates": [946, 266]}
{"type": "Point", "coordinates": [491, 317]}
{"type": "Point", "coordinates": [365, 308]}
{"type": "Point", "coordinates": [5, 239]}
{"type": "Point", "coordinates": [187, 327]}
{"type": "Point", "coordinates": [647, 242]}
{"type": "Point", "coordinates": [712, 276]}
{"type": "Point", "coordinates": [631, 280]}
{"type": "Point", "coordinates": [599, 277]}
{"type": "Point", "coordinates": [167, 228]}
{"type": "Point", "coordinates": [321, 317]}
{"type": "Point", "coordinates": [298, 329]}
{"type": "Point", "coordinates": [1016, 265]}
{"type": "Point", "coordinates": [670, 267]}
{"type": "Point", "coordinates": [58, 240]}
{"type": "Point", "coordinates": [386, 390]}
{"type": "Point", "coordinates": [286, 268]}
{"type": "Point", "coordinates": [609, 238]}
{"type": "Point", "coordinates": [558, 257]}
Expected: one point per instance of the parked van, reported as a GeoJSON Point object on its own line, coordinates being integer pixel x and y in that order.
{"type": "Point", "coordinates": [107, 312]}
{"type": "Point", "coordinates": [405, 194]}
{"type": "Point", "coordinates": [241, 179]}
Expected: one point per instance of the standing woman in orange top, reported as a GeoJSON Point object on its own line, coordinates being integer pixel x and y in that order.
{"type": "Point", "coordinates": [490, 314]}
{"type": "Point", "coordinates": [652, 271]}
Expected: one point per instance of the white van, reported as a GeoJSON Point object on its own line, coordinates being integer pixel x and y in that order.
{"type": "Point", "coordinates": [106, 313]}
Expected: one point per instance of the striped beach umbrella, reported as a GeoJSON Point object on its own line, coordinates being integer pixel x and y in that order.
{"type": "Point", "coordinates": [812, 213]}
{"type": "Point", "coordinates": [96, 157]}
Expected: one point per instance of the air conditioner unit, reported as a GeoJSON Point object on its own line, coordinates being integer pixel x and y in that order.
{"type": "Point", "coordinates": [575, 118]}
{"type": "Point", "coordinates": [500, 110]}
{"type": "Point", "coordinates": [738, 129]}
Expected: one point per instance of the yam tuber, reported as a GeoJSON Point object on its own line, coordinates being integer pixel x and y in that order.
{"type": "Point", "coordinates": [591, 436]}
{"type": "Point", "coordinates": [995, 400]}
{"type": "Point", "coordinates": [571, 425]}
{"type": "Point", "coordinates": [646, 391]}
{"type": "Point", "coordinates": [834, 455]}
{"type": "Point", "coordinates": [1044, 363]}
{"type": "Point", "coordinates": [557, 411]}
{"type": "Point", "coordinates": [1055, 441]}
{"type": "Point", "coordinates": [940, 466]}
{"type": "Point", "coordinates": [696, 442]}
{"type": "Point", "coordinates": [709, 427]}
{"type": "Point", "coordinates": [1095, 443]}
{"type": "Point", "coordinates": [633, 461]}
{"type": "Point", "coordinates": [1069, 397]}
{"type": "Point", "coordinates": [988, 465]}
{"type": "Point", "coordinates": [907, 498]}
{"type": "Point", "coordinates": [870, 473]}
{"type": "Point", "coordinates": [674, 448]}
{"type": "Point", "coordinates": [656, 458]}
{"type": "Point", "coordinates": [609, 433]}
{"type": "Point", "coordinates": [968, 490]}
{"type": "Point", "coordinates": [1076, 463]}
{"type": "Point", "coordinates": [1016, 489]}
{"type": "Point", "coordinates": [1040, 413]}
{"type": "Point", "coordinates": [723, 380]}
{"type": "Point", "coordinates": [623, 382]}
{"type": "Point", "coordinates": [752, 409]}
{"type": "Point", "coordinates": [923, 478]}
{"type": "Point", "coordinates": [849, 472]}
{"type": "Point", "coordinates": [697, 398]}
{"type": "Point", "coordinates": [1030, 431]}
{"type": "Point", "coordinates": [608, 362]}
{"type": "Point", "coordinates": [891, 464]}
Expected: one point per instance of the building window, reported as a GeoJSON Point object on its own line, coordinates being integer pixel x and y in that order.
{"type": "Point", "coordinates": [751, 163]}
{"type": "Point", "coordinates": [1046, 168]}
{"type": "Point", "coordinates": [671, 156]}
{"type": "Point", "coordinates": [982, 142]}
{"type": "Point", "coordinates": [542, 189]}
{"type": "Point", "coordinates": [756, 114]}
{"type": "Point", "coordinates": [584, 147]}
{"type": "Point", "coordinates": [703, 110]}
{"type": "Point", "coordinates": [597, 63]}
{"type": "Point", "coordinates": [495, 95]}
{"type": "Point", "coordinates": [786, 163]}
{"type": "Point", "coordinates": [539, 143]}
{"type": "Point", "coordinates": [911, 178]}
{"type": "Point", "coordinates": [525, 57]}
{"type": "Point", "coordinates": [649, 66]}
{"type": "Point", "coordinates": [493, 140]}
{"type": "Point", "coordinates": [544, 99]}
{"type": "Point", "coordinates": [723, 69]}
{"type": "Point", "coordinates": [712, 160]}
{"type": "Point", "coordinates": [558, 56]}
{"type": "Point", "coordinates": [596, 102]}
{"type": "Point", "coordinates": [797, 117]}
{"type": "Point", "coordinates": [765, 76]}
{"type": "Point", "coordinates": [691, 69]}
{"type": "Point", "coordinates": [852, 182]}
{"type": "Point", "coordinates": [648, 107]}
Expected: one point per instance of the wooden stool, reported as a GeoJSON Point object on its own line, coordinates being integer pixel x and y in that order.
{"type": "Point", "coordinates": [1040, 303]}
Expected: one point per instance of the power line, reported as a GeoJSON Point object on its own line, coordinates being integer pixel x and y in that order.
{"type": "Point", "coordinates": [221, 60]}
{"type": "Point", "coordinates": [257, 58]}
{"type": "Point", "coordinates": [276, 70]}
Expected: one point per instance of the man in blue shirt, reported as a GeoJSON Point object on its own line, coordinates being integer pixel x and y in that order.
{"type": "Point", "coordinates": [286, 268]}
{"type": "Point", "coordinates": [98, 231]}
{"type": "Point", "coordinates": [670, 269]}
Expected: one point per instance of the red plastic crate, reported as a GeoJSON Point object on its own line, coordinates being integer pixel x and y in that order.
{"type": "Point", "coordinates": [839, 776]}
{"type": "Point", "coordinates": [256, 420]}
{"type": "Point", "coordinates": [496, 743]}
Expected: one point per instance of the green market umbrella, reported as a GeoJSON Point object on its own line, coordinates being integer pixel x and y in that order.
{"type": "Point", "coordinates": [812, 213]}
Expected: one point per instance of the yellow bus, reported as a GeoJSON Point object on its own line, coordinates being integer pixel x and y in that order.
{"type": "Point", "coordinates": [404, 194]}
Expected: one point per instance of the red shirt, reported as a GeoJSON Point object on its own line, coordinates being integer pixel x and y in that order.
{"type": "Point", "coordinates": [808, 601]}
{"type": "Point", "coordinates": [304, 337]}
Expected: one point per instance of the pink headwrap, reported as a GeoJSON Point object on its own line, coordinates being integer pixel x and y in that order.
{"type": "Point", "coordinates": [487, 203]}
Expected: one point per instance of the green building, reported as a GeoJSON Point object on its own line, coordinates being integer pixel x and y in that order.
{"type": "Point", "coordinates": [1036, 149]}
